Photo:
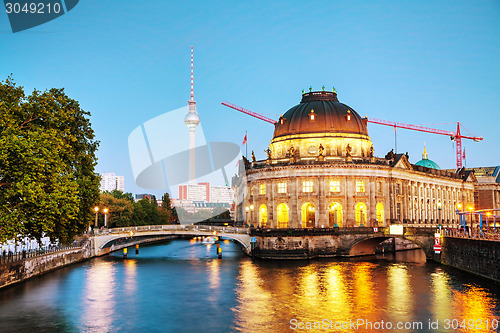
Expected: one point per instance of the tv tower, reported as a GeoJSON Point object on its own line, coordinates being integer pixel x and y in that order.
{"type": "Point", "coordinates": [192, 120]}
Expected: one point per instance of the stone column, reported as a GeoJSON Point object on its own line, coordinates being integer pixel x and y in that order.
{"type": "Point", "coordinates": [322, 209]}
{"type": "Point", "coordinates": [372, 216]}
{"type": "Point", "coordinates": [270, 204]}
{"type": "Point", "coordinates": [294, 195]}
{"type": "Point", "coordinates": [349, 200]}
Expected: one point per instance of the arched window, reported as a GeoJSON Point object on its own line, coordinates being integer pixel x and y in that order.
{"type": "Point", "coordinates": [308, 215]}
{"type": "Point", "coordinates": [335, 215]}
{"type": "Point", "coordinates": [361, 214]}
{"type": "Point", "coordinates": [380, 213]}
{"type": "Point", "coordinates": [262, 215]}
{"type": "Point", "coordinates": [282, 215]}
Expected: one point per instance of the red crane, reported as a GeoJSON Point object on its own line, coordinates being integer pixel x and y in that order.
{"type": "Point", "coordinates": [456, 136]}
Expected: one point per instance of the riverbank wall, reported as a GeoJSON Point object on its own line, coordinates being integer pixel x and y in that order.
{"type": "Point", "coordinates": [324, 243]}
{"type": "Point", "coordinates": [476, 256]}
{"type": "Point", "coordinates": [21, 270]}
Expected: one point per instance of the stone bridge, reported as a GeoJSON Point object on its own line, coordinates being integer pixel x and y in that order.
{"type": "Point", "coordinates": [271, 243]}
{"type": "Point", "coordinates": [108, 240]}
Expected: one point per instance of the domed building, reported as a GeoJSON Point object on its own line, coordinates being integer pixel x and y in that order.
{"type": "Point", "coordinates": [426, 162]}
{"type": "Point", "coordinates": [321, 172]}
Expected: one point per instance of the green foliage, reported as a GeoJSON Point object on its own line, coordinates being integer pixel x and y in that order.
{"type": "Point", "coordinates": [124, 212]}
{"type": "Point", "coordinates": [47, 158]}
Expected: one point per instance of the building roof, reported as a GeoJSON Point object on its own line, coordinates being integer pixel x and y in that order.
{"type": "Point", "coordinates": [490, 174]}
{"type": "Point", "coordinates": [320, 112]}
{"type": "Point", "coordinates": [426, 162]}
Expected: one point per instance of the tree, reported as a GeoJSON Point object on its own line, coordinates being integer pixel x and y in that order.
{"type": "Point", "coordinates": [47, 159]}
{"type": "Point", "coordinates": [168, 215]}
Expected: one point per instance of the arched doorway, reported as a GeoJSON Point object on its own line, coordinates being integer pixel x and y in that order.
{"type": "Point", "coordinates": [380, 214]}
{"type": "Point", "coordinates": [335, 215]}
{"type": "Point", "coordinates": [282, 215]}
{"type": "Point", "coordinates": [361, 214]}
{"type": "Point", "coordinates": [308, 215]}
{"type": "Point", "coordinates": [262, 215]}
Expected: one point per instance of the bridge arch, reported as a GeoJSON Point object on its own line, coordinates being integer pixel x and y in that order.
{"type": "Point", "coordinates": [367, 245]}
{"type": "Point", "coordinates": [115, 239]}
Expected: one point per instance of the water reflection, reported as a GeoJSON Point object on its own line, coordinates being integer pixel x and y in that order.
{"type": "Point", "coordinates": [98, 298]}
{"type": "Point", "coordinates": [181, 286]}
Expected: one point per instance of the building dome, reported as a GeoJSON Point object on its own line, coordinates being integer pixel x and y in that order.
{"type": "Point", "coordinates": [320, 112]}
{"type": "Point", "coordinates": [426, 162]}
{"type": "Point", "coordinates": [320, 119]}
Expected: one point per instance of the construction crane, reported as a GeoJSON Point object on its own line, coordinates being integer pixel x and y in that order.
{"type": "Point", "coordinates": [456, 136]}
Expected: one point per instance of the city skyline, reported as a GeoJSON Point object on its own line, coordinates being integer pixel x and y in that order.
{"type": "Point", "coordinates": [412, 63]}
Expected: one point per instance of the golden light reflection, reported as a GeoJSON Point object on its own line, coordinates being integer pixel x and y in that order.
{"type": "Point", "coordinates": [338, 297]}
{"type": "Point", "coordinates": [400, 293]}
{"type": "Point", "coordinates": [98, 301]}
{"type": "Point", "coordinates": [365, 291]}
{"type": "Point", "coordinates": [256, 308]}
{"type": "Point", "coordinates": [441, 302]}
{"type": "Point", "coordinates": [473, 303]}
{"type": "Point", "coordinates": [130, 281]}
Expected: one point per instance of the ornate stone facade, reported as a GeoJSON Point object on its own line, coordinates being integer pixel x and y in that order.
{"type": "Point", "coordinates": [364, 192]}
{"type": "Point", "coordinates": [321, 173]}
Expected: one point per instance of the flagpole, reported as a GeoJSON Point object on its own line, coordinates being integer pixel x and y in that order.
{"type": "Point", "coordinates": [246, 145]}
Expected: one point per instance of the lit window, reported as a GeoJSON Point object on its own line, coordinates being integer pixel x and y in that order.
{"type": "Point", "coordinates": [397, 188]}
{"type": "Point", "coordinates": [360, 186]}
{"type": "Point", "coordinates": [379, 187]}
{"type": "Point", "coordinates": [335, 186]}
{"type": "Point", "coordinates": [281, 187]}
{"type": "Point", "coordinates": [262, 188]}
{"type": "Point", "coordinates": [312, 115]}
{"type": "Point", "coordinates": [307, 186]}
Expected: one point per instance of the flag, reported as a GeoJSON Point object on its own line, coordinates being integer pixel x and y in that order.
{"type": "Point", "coordinates": [463, 156]}
{"type": "Point", "coordinates": [245, 140]}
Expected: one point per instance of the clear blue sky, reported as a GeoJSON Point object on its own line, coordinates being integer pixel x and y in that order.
{"type": "Point", "coordinates": [417, 62]}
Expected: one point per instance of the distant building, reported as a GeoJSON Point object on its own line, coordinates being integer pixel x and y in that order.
{"type": "Point", "coordinates": [487, 194]}
{"type": "Point", "coordinates": [195, 192]}
{"type": "Point", "coordinates": [221, 194]}
{"type": "Point", "coordinates": [110, 182]}
{"type": "Point", "coordinates": [143, 196]}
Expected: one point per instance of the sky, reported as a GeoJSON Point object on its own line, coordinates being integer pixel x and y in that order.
{"type": "Point", "coordinates": [416, 62]}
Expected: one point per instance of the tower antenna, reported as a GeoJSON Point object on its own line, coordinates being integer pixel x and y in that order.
{"type": "Point", "coordinates": [192, 88]}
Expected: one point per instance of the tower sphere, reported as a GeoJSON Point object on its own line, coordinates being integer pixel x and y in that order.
{"type": "Point", "coordinates": [192, 119]}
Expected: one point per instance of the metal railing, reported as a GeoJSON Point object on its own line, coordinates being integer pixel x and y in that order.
{"type": "Point", "coordinates": [170, 227]}
{"type": "Point", "coordinates": [10, 257]}
{"type": "Point", "coordinates": [491, 235]}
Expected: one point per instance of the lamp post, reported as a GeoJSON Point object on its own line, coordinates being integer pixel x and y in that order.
{"type": "Point", "coordinates": [105, 217]}
{"type": "Point", "coordinates": [251, 214]}
{"type": "Point", "coordinates": [248, 211]}
{"type": "Point", "coordinates": [439, 214]}
{"type": "Point", "coordinates": [96, 210]}
{"type": "Point", "coordinates": [471, 223]}
{"type": "Point", "coordinates": [459, 207]}
{"type": "Point", "coordinates": [487, 224]}
{"type": "Point", "coordinates": [361, 217]}
{"type": "Point", "coordinates": [335, 212]}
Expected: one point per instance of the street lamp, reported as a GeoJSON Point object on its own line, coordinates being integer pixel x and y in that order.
{"type": "Point", "coordinates": [471, 209]}
{"type": "Point", "coordinates": [439, 214]}
{"type": "Point", "coordinates": [487, 216]}
{"type": "Point", "coordinates": [105, 217]}
{"type": "Point", "coordinates": [459, 207]}
{"type": "Point", "coordinates": [96, 210]}
{"type": "Point", "coordinates": [251, 214]}
{"type": "Point", "coordinates": [362, 217]}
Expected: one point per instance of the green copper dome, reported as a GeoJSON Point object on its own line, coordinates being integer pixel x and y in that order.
{"type": "Point", "coordinates": [426, 162]}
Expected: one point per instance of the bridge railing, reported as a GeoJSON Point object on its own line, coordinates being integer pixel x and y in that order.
{"type": "Point", "coordinates": [491, 235]}
{"type": "Point", "coordinates": [10, 257]}
{"type": "Point", "coordinates": [171, 227]}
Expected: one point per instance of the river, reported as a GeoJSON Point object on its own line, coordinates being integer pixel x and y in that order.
{"type": "Point", "coordinates": [180, 286]}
